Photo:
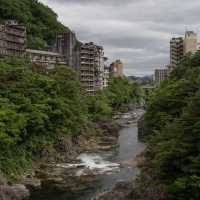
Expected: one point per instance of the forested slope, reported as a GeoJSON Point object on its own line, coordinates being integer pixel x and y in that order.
{"type": "Point", "coordinates": [41, 21]}
{"type": "Point", "coordinates": [172, 167]}
{"type": "Point", "coordinates": [37, 108]}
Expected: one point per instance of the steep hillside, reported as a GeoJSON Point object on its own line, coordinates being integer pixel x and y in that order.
{"type": "Point", "coordinates": [172, 167]}
{"type": "Point", "coordinates": [41, 21]}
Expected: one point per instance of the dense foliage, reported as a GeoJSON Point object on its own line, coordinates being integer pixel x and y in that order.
{"type": "Point", "coordinates": [173, 124]}
{"type": "Point", "coordinates": [41, 22]}
{"type": "Point", "coordinates": [37, 108]}
{"type": "Point", "coordinates": [120, 93]}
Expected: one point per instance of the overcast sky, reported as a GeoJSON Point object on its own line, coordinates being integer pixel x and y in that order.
{"type": "Point", "coordinates": [135, 31]}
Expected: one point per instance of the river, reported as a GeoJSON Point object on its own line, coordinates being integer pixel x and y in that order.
{"type": "Point", "coordinates": [111, 167]}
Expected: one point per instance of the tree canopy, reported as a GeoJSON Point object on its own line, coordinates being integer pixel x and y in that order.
{"type": "Point", "coordinates": [173, 126]}
{"type": "Point", "coordinates": [38, 106]}
{"type": "Point", "coordinates": [41, 22]}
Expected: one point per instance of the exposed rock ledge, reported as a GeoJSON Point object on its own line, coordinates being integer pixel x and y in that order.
{"type": "Point", "coordinates": [50, 175]}
{"type": "Point", "coordinates": [121, 191]}
{"type": "Point", "coordinates": [14, 192]}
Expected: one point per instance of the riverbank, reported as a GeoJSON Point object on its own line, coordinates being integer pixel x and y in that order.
{"type": "Point", "coordinates": [95, 169]}
{"type": "Point", "coordinates": [44, 171]}
{"type": "Point", "coordinates": [75, 166]}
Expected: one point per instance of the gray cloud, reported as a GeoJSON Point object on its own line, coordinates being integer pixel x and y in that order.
{"type": "Point", "coordinates": [136, 31]}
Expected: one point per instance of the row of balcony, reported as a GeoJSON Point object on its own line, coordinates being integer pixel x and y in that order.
{"type": "Point", "coordinates": [87, 80]}
{"type": "Point", "coordinates": [87, 75]}
{"type": "Point", "coordinates": [15, 32]}
{"type": "Point", "coordinates": [16, 48]}
{"type": "Point", "coordinates": [15, 39]}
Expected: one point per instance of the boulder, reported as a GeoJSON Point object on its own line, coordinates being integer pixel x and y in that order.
{"type": "Point", "coordinates": [15, 192]}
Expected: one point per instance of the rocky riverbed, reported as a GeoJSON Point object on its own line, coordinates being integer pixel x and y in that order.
{"type": "Point", "coordinates": [14, 192]}
{"type": "Point", "coordinates": [96, 165]}
{"type": "Point", "coordinates": [103, 167]}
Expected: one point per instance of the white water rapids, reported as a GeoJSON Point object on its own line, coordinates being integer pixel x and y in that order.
{"type": "Point", "coordinates": [92, 164]}
{"type": "Point", "coordinates": [98, 164]}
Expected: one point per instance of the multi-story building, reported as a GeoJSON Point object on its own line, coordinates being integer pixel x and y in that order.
{"type": "Point", "coordinates": [116, 69]}
{"type": "Point", "coordinates": [176, 50]}
{"type": "Point", "coordinates": [91, 68]}
{"type": "Point", "coordinates": [12, 39]}
{"type": "Point", "coordinates": [68, 45]}
{"type": "Point", "coordinates": [161, 75]}
{"type": "Point", "coordinates": [180, 47]}
{"type": "Point", "coordinates": [86, 58]}
{"type": "Point", "coordinates": [190, 42]}
{"type": "Point", "coordinates": [45, 58]}
{"type": "Point", "coordinates": [106, 73]}
{"type": "Point", "coordinates": [106, 76]}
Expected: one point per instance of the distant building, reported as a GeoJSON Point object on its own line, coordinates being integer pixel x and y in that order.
{"type": "Point", "coordinates": [68, 45]}
{"type": "Point", "coordinates": [116, 69]}
{"type": "Point", "coordinates": [12, 39]}
{"type": "Point", "coordinates": [176, 51]}
{"type": "Point", "coordinates": [190, 42]}
{"type": "Point", "coordinates": [161, 75]}
{"type": "Point", "coordinates": [180, 46]}
{"type": "Point", "coordinates": [45, 58]}
{"type": "Point", "coordinates": [106, 73]}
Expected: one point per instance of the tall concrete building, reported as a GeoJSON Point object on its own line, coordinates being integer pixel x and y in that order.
{"type": "Point", "coordinates": [176, 50]}
{"type": "Point", "coordinates": [91, 68]}
{"type": "Point", "coordinates": [116, 69]}
{"type": "Point", "coordinates": [190, 42]}
{"type": "Point", "coordinates": [161, 75]}
{"type": "Point", "coordinates": [12, 39]}
{"type": "Point", "coordinates": [180, 46]}
{"type": "Point", "coordinates": [68, 45]}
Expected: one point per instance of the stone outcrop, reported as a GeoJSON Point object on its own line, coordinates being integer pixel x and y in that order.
{"type": "Point", "coordinates": [121, 191]}
{"type": "Point", "coordinates": [49, 175]}
{"type": "Point", "coordinates": [14, 192]}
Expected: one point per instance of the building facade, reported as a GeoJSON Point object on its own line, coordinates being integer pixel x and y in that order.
{"type": "Point", "coordinates": [116, 69]}
{"type": "Point", "coordinates": [68, 46]}
{"type": "Point", "coordinates": [12, 39]}
{"type": "Point", "coordinates": [88, 59]}
{"type": "Point", "coordinates": [45, 58]}
{"type": "Point", "coordinates": [161, 75]}
{"type": "Point", "coordinates": [91, 68]}
{"type": "Point", "coordinates": [106, 73]}
{"type": "Point", "coordinates": [190, 42]}
{"type": "Point", "coordinates": [180, 46]}
{"type": "Point", "coordinates": [176, 51]}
